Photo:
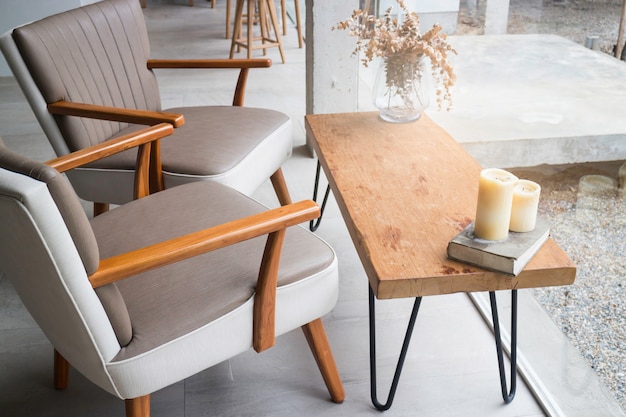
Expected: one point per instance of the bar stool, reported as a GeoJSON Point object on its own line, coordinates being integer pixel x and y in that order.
{"type": "Point", "coordinates": [283, 8]}
{"type": "Point", "coordinates": [265, 8]}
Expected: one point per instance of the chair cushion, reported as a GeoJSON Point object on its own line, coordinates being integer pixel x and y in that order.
{"type": "Point", "coordinates": [212, 141]}
{"type": "Point", "coordinates": [237, 146]}
{"type": "Point", "coordinates": [178, 299]}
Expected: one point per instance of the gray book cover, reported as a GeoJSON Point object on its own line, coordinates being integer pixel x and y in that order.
{"type": "Point", "coordinates": [509, 256]}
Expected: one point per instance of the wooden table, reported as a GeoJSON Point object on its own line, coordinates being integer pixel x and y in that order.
{"type": "Point", "coordinates": [404, 191]}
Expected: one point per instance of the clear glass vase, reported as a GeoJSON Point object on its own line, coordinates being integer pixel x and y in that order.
{"type": "Point", "coordinates": [401, 88]}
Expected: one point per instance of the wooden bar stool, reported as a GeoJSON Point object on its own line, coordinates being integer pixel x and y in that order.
{"type": "Point", "coordinates": [266, 9]}
{"type": "Point", "coordinates": [283, 8]}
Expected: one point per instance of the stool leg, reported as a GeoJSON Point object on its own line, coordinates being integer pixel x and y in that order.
{"type": "Point", "coordinates": [298, 24]}
{"type": "Point", "coordinates": [237, 26]}
{"type": "Point", "coordinates": [263, 26]}
{"type": "Point", "coordinates": [250, 26]}
{"type": "Point", "coordinates": [227, 19]}
{"type": "Point", "coordinates": [274, 20]}
{"type": "Point", "coordinates": [283, 11]}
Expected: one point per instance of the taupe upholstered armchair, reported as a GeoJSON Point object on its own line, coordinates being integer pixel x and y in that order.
{"type": "Point", "coordinates": [163, 287]}
{"type": "Point", "coordinates": [88, 77]}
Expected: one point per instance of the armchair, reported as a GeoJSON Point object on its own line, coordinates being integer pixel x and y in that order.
{"type": "Point", "coordinates": [163, 287]}
{"type": "Point", "coordinates": [88, 76]}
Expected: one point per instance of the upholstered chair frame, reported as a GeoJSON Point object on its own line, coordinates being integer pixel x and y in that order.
{"type": "Point", "coordinates": [73, 268]}
{"type": "Point", "coordinates": [88, 76]}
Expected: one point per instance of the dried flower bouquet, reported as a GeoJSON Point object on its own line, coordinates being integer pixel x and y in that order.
{"type": "Point", "coordinates": [400, 41]}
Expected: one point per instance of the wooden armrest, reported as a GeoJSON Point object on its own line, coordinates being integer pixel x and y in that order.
{"type": "Point", "coordinates": [209, 63]}
{"type": "Point", "coordinates": [93, 111]}
{"type": "Point", "coordinates": [177, 249]}
{"type": "Point", "coordinates": [243, 64]}
{"type": "Point", "coordinates": [273, 223]}
{"type": "Point", "coordinates": [110, 147]}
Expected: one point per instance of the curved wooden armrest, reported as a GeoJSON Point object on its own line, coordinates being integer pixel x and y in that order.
{"type": "Point", "coordinates": [243, 64]}
{"type": "Point", "coordinates": [273, 222]}
{"type": "Point", "coordinates": [209, 63]}
{"type": "Point", "coordinates": [180, 248]}
{"type": "Point", "coordinates": [110, 147]}
{"type": "Point", "coordinates": [93, 111]}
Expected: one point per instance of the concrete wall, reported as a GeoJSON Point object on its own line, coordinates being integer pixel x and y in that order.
{"type": "Point", "coordinates": [17, 12]}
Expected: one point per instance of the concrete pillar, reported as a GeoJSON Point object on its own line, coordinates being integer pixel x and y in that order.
{"type": "Point", "coordinates": [331, 70]}
{"type": "Point", "coordinates": [496, 17]}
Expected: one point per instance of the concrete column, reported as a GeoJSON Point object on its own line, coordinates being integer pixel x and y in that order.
{"type": "Point", "coordinates": [496, 17]}
{"type": "Point", "coordinates": [332, 71]}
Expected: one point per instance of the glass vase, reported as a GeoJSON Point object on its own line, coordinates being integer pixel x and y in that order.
{"type": "Point", "coordinates": [401, 88]}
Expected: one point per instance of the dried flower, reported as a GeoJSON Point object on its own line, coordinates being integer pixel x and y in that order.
{"type": "Point", "coordinates": [388, 36]}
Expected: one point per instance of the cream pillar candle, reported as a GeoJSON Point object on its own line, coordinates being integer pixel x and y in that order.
{"type": "Point", "coordinates": [495, 198]}
{"type": "Point", "coordinates": [525, 204]}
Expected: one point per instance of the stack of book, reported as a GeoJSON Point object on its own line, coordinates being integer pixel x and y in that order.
{"type": "Point", "coordinates": [509, 256]}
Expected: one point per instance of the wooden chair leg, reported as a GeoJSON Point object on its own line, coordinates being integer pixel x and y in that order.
{"type": "Point", "coordinates": [138, 407]}
{"type": "Point", "coordinates": [61, 371]}
{"type": "Point", "coordinates": [280, 187]}
{"type": "Point", "coordinates": [318, 342]}
{"type": "Point", "coordinates": [99, 208]}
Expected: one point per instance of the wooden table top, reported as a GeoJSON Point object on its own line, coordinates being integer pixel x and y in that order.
{"type": "Point", "coordinates": [405, 190]}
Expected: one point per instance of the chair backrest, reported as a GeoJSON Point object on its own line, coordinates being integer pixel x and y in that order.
{"type": "Point", "coordinates": [94, 54]}
{"type": "Point", "coordinates": [47, 248]}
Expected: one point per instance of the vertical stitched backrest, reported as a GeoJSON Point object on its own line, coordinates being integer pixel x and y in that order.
{"type": "Point", "coordinates": [94, 54]}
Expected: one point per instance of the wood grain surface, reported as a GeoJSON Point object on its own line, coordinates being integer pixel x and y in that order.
{"type": "Point", "coordinates": [405, 190]}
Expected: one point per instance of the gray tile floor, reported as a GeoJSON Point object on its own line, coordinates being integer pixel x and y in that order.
{"type": "Point", "coordinates": [451, 368]}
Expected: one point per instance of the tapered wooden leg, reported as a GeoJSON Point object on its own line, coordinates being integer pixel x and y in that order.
{"type": "Point", "coordinates": [61, 371]}
{"type": "Point", "coordinates": [138, 407]}
{"type": "Point", "coordinates": [318, 342]}
{"type": "Point", "coordinates": [280, 187]}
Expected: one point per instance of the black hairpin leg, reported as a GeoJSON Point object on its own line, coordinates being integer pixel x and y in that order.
{"type": "Point", "coordinates": [405, 348]}
{"type": "Point", "coordinates": [314, 224]}
{"type": "Point", "coordinates": [506, 394]}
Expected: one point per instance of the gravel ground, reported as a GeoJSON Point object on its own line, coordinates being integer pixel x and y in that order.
{"type": "Point", "coordinates": [584, 203]}
{"type": "Point", "coordinates": [587, 213]}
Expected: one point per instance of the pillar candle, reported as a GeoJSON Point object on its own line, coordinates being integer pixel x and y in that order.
{"type": "Point", "coordinates": [525, 204]}
{"type": "Point", "coordinates": [495, 198]}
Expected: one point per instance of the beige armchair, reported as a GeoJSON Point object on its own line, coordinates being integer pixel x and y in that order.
{"type": "Point", "coordinates": [88, 77]}
{"type": "Point", "coordinates": [158, 289]}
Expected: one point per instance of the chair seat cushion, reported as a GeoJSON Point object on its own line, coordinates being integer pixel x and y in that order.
{"type": "Point", "coordinates": [213, 140]}
{"type": "Point", "coordinates": [171, 302]}
{"type": "Point", "coordinates": [237, 146]}
{"type": "Point", "coordinates": [221, 135]}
